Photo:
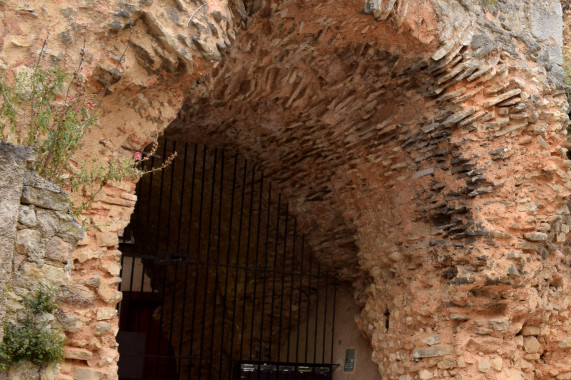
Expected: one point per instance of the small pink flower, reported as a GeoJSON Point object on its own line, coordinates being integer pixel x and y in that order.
{"type": "Point", "coordinates": [138, 156]}
{"type": "Point", "coordinates": [88, 105]}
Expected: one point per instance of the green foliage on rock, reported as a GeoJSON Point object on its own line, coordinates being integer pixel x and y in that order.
{"type": "Point", "coordinates": [50, 110]}
{"type": "Point", "coordinates": [35, 339]}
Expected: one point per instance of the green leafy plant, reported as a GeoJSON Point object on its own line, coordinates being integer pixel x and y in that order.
{"type": "Point", "coordinates": [37, 342]}
{"type": "Point", "coordinates": [50, 110]}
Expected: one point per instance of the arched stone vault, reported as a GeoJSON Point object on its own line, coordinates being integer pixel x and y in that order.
{"type": "Point", "coordinates": [421, 142]}
{"type": "Point", "coordinates": [408, 147]}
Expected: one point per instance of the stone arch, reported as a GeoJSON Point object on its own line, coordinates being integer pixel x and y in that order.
{"type": "Point", "coordinates": [423, 141]}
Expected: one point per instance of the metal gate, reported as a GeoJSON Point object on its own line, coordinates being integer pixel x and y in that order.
{"type": "Point", "coordinates": [217, 281]}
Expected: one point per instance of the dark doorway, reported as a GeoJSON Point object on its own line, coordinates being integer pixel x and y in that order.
{"type": "Point", "coordinates": [218, 281]}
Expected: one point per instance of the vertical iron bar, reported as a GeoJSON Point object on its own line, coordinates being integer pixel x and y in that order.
{"type": "Point", "coordinates": [208, 245]}
{"type": "Point", "coordinates": [249, 233]}
{"type": "Point", "coordinates": [189, 237]}
{"type": "Point", "coordinates": [325, 318]}
{"type": "Point", "coordinates": [158, 223]}
{"type": "Point", "coordinates": [259, 221]}
{"type": "Point", "coordinates": [218, 240]}
{"type": "Point", "coordinates": [163, 288]}
{"type": "Point", "coordinates": [309, 277]}
{"type": "Point", "coordinates": [299, 297]}
{"type": "Point", "coordinates": [333, 318]}
{"type": "Point", "coordinates": [149, 198]}
{"type": "Point", "coordinates": [191, 207]}
{"type": "Point", "coordinates": [182, 193]}
{"type": "Point", "coordinates": [274, 276]}
{"type": "Point", "coordinates": [231, 216]}
{"type": "Point", "coordinates": [291, 288]}
{"type": "Point", "coordinates": [160, 332]}
{"type": "Point", "coordinates": [174, 281]}
{"type": "Point", "coordinates": [197, 269]}
{"type": "Point", "coordinates": [316, 312]}
{"type": "Point", "coordinates": [237, 270]}
{"type": "Point", "coordinates": [265, 270]}
{"type": "Point", "coordinates": [283, 271]}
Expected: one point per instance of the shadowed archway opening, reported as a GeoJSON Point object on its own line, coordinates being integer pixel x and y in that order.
{"type": "Point", "coordinates": [218, 279]}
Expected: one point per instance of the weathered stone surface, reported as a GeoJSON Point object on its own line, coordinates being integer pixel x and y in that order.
{"type": "Point", "coordinates": [27, 216]}
{"type": "Point", "coordinates": [530, 330]}
{"type": "Point", "coordinates": [101, 328]}
{"type": "Point", "coordinates": [45, 198]}
{"type": "Point", "coordinates": [531, 344]}
{"type": "Point", "coordinates": [425, 374]}
{"type": "Point", "coordinates": [77, 353]}
{"type": "Point", "coordinates": [432, 340]}
{"type": "Point", "coordinates": [58, 250]}
{"type": "Point", "coordinates": [85, 373]}
{"type": "Point", "coordinates": [28, 242]}
{"type": "Point", "coordinates": [105, 313]}
{"type": "Point", "coordinates": [565, 343]}
{"type": "Point", "coordinates": [307, 96]}
{"type": "Point", "coordinates": [87, 253]}
{"type": "Point", "coordinates": [496, 364]}
{"type": "Point", "coordinates": [107, 239]}
{"type": "Point", "coordinates": [484, 365]}
{"type": "Point", "coordinates": [535, 236]}
{"type": "Point", "coordinates": [429, 352]}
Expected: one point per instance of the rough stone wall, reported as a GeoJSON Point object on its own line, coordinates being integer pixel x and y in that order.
{"type": "Point", "coordinates": [422, 142]}
{"type": "Point", "coordinates": [39, 234]}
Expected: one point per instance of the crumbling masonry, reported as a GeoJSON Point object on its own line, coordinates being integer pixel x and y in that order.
{"type": "Point", "coordinates": [421, 143]}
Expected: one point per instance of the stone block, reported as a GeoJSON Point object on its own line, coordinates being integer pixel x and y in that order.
{"type": "Point", "coordinates": [483, 365]}
{"type": "Point", "coordinates": [77, 353]}
{"type": "Point", "coordinates": [547, 25]}
{"type": "Point", "coordinates": [431, 340]}
{"type": "Point", "coordinates": [425, 374]}
{"type": "Point", "coordinates": [58, 250]}
{"type": "Point", "coordinates": [101, 328]}
{"type": "Point", "coordinates": [496, 364]}
{"type": "Point", "coordinates": [107, 239]}
{"type": "Point", "coordinates": [47, 273]}
{"type": "Point", "coordinates": [422, 173]}
{"type": "Point", "coordinates": [530, 330]}
{"type": "Point", "coordinates": [105, 313]}
{"type": "Point", "coordinates": [447, 363]}
{"type": "Point", "coordinates": [45, 198]}
{"type": "Point", "coordinates": [565, 343]}
{"type": "Point", "coordinates": [535, 236]}
{"type": "Point", "coordinates": [85, 373]}
{"type": "Point", "coordinates": [29, 243]}
{"type": "Point", "coordinates": [27, 216]}
{"type": "Point", "coordinates": [429, 352]}
{"type": "Point", "coordinates": [531, 344]}
{"type": "Point", "coordinates": [108, 295]}
{"type": "Point", "coordinates": [87, 253]}
{"type": "Point", "coordinates": [112, 268]}
{"type": "Point", "coordinates": [78, 295]}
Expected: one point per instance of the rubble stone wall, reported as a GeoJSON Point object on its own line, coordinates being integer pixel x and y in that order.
{"type": "Point", "coordinates": [39, 234]}
{"type": "Point", "coordinates": [422, 143]}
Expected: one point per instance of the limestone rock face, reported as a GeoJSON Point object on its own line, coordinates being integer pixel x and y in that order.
{"type": "Point", "coordinates": [421, 143]}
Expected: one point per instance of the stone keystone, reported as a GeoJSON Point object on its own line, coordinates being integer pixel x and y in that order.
{"type": "Point", "coordinates": [430, 352]}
